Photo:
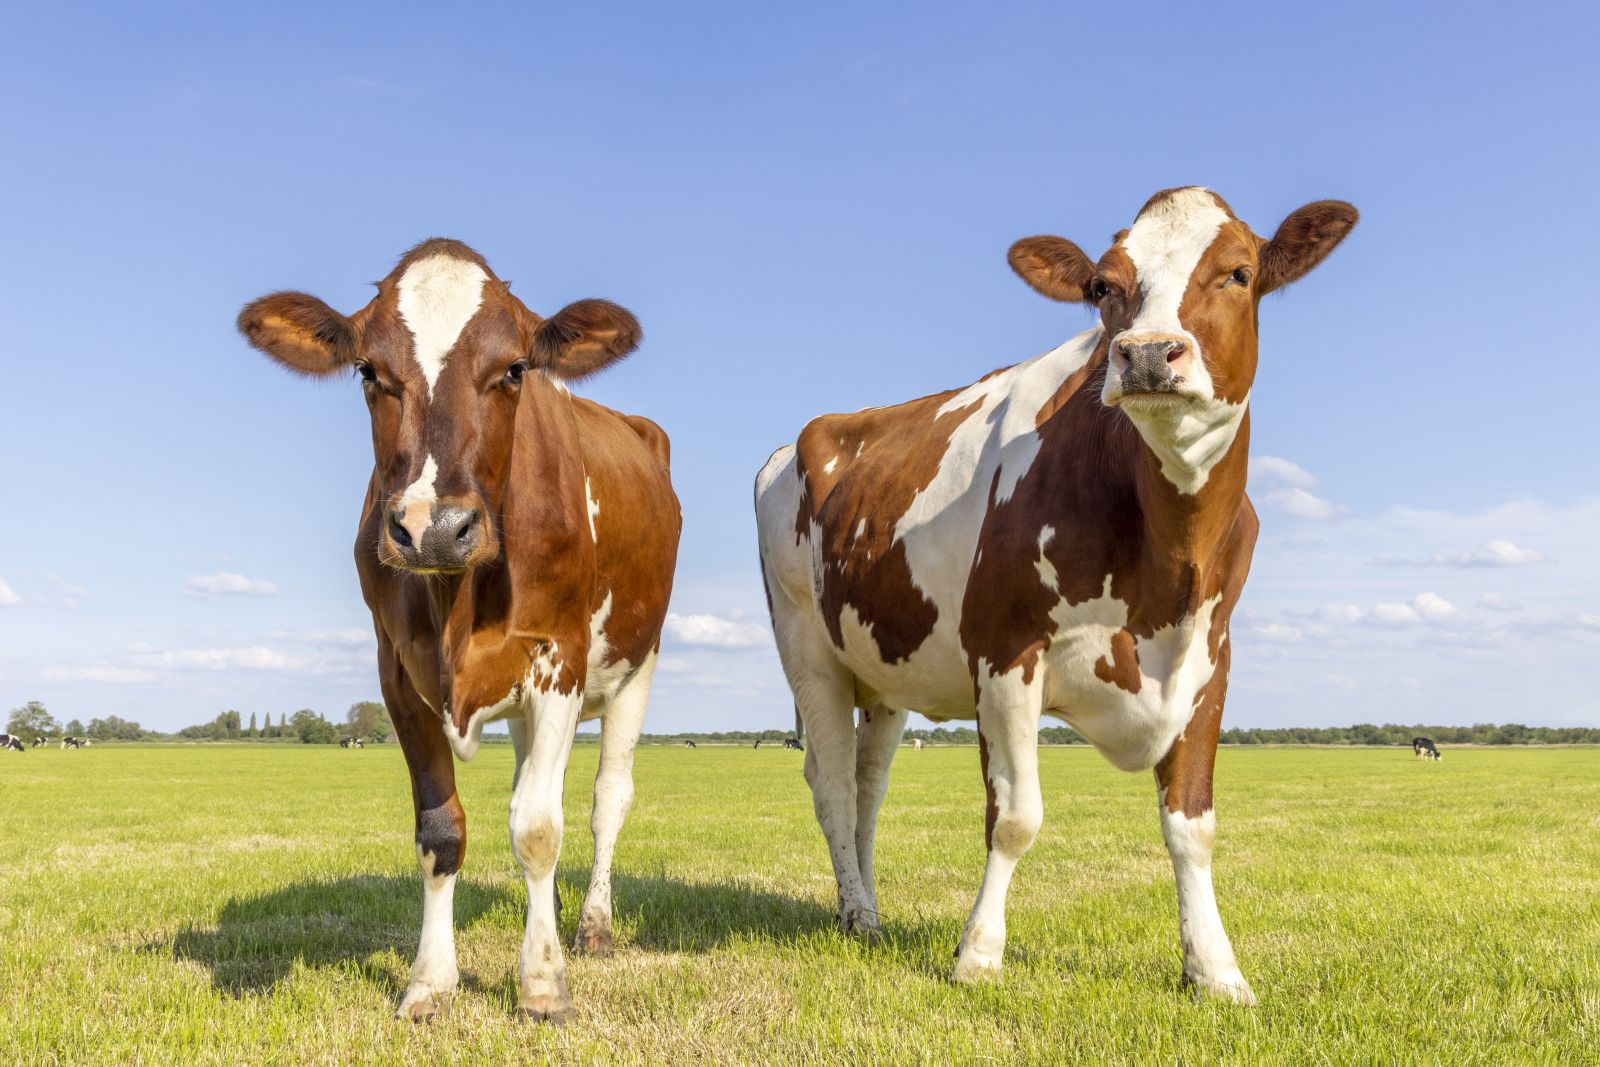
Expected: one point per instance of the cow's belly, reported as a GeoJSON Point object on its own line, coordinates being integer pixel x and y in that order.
{"type": "Point", "coordinates": [933, 681]}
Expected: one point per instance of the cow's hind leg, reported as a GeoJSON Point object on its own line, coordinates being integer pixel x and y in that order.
{"type": "Point", "coordinates": [613, 796]}
{"type": "Point", "coordinates": [1183, 781]}
{"type": "Point", "coordinates": [536, 825]}
{"type": "Point", "coordinates": [1008, 748]}
{"type": "Point", "coordinates": [441, 839]}
{"type": "Point", "coordinates": [825, 702]}
{"type": "Point", "coordinates": [877, 739]}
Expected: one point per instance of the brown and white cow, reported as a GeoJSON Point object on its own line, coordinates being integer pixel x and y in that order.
{"type": "Point", "coordinates": [516, 549]}
{"type": "Point", "coordinates": [1065, 537]}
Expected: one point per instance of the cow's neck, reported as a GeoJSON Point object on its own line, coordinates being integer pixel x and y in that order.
{"type": "Point", "coordinates": [1186, 535]}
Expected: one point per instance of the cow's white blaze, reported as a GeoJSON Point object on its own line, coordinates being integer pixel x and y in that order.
{"type": "Point", "coordinates": [417, 499]}
{"type": "Point", "coordinates": [1165, 245]}
{"type": "Point", "coordinates": [593, 508]}
{"type": "Point", "coordinates": [1208, 959]}
{"type": "Point", "coordinates": [436, 297]}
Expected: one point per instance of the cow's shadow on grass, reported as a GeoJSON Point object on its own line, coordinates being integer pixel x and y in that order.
{"type": "Point", "coordinates": [356, 923]}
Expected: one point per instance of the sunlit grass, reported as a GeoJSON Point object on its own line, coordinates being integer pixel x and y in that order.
{"type": "Point", "coordinates": [261, 904]}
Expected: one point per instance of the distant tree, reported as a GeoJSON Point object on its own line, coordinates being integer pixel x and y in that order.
{"type": "Point", "coordinates": [75, 728]}
{"type": "Point", "coordinates": [368, 719]}
{"type": "Point", "coordinates": [32, 720]}
{"type": "Point", "coordinates": [313, 729]}
{"type": "Point", "coordinates": [112, 728]}
{"type": "Point", "coordinates": [253, 731]}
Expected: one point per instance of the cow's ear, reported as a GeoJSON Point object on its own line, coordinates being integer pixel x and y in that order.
{"type": "Point", "coordinates": [1303, 240]}
{"type": "Point", "coordinates": [300, 332]}
{"type": "Point", "coordinates": [583, 337]}
{"type": "Point", "coordinates": [1053, 267]}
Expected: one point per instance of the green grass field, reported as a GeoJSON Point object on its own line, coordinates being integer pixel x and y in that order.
{"type": "Point", "coordinates": [260, 904]}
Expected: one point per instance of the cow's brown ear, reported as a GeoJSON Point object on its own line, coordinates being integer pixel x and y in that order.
{"type": "Point", "coordinates": [1053, 267]}
{"type": "Point", "coordinates": [1303, 240]}
{"type": "Point", "coordinates": [300, 332]}
{"type": "Point", "coordinates": [583, 337]}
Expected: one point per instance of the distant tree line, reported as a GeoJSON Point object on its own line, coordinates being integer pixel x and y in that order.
{"type": "Point", "coordinates": [368, 720]}
{"type": "Point", "coordinates": [1511, 733]}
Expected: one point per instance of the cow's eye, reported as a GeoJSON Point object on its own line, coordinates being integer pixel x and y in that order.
{"type": "Point", "coordinates": [1239, 277]}
{"type": "Point", "coordinates": [515, 372]}
{"type": "Point", "coordinates": [368, 375]}
{"type": "Point", "coordinates": [1099, 289]}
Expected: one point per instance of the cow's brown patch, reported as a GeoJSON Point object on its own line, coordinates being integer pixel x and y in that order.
{"type": "Point", "coordinates": [1122, 669]}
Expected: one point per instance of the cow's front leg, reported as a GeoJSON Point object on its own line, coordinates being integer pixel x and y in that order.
{"type": "Point", "coordinates": [1188, 823]}
{"type": "Point", "coordinates": [1008, 747]}
{"type": "Point", "coordinates": [551, 720]}
{"type": "Point", "coordinates": [441, 840]}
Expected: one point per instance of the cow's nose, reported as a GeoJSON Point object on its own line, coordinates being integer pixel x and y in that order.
{"type": "Point", "coordinates": [1148, 364]}
{"type": "Point", "coordinates": [445, 543]}
{"type": "Point", "coordinates": [450, 538]}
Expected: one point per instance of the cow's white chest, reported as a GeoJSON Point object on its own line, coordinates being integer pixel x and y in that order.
{"type": "Point", "coordinates": [1133, 725]}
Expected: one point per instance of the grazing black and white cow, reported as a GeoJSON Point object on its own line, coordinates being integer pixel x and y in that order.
{"type": "Point", "coordinates": [40, 741]}
{"type": "Point", "coordinates": [74, 742]}
{"type": "Point", "coordinates": [689, 744]}
{"type": "Point", "coordinates": [916, 746]}
{"type": "Point", "coordinates": [11, 741]}
{"type": "Point", "coordinates": [350, 742]}
{"type": "Point", "coordinates": [794, 743]}
{"type": "Point", "coordinates": [757, 744]}
{"type": "Point", "coordinates": [1425, 748]}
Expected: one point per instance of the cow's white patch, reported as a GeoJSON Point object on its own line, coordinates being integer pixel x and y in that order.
{"type": "Point", "coordinates": [1188, 438]}
{"type": "Point", "coordinates": [416, 501]}
{"type": "Point", "coordinates": [1208, 959]}
{"type": "Point", "coordinates": [593, 508]}
{"type": "Point", "coordinates": [437, 297]}
{"type": "Point", "coordinates": [603, 679]}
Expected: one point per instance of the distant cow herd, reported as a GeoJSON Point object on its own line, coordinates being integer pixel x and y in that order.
{"type": "Point", "coordinates": [1065, 537]}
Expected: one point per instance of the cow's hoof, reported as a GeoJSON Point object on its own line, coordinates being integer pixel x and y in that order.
{"type": "Point", "coordinates": [975, 967]}
{"type": "Point", "coordinates": [423, 1005]}
{"type": "Point", "coordinates": [593, 941]}
{"type": "Point", "coordinates": [552, 1010]}
{"type": "Point", "coordinates": [862, 925]}
{"type": "Point", "coordinates": [1227, 986]}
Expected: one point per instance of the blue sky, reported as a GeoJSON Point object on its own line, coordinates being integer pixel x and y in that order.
{"type": "Point", "coordinates": [808, 208]}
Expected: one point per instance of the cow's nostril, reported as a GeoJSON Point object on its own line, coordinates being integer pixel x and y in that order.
{"type": "Point", "coordinates": [399, 534]}
{"type": "Point", "coordinates": [466, 529]}
{"type": "Point", "coordinates": [1176, 354]}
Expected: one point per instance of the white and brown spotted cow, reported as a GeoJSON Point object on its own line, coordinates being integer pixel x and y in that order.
{"type": "Point", "coordinates": [516, 549]}
{"type": "Point", "coordinates": [1065, 537]}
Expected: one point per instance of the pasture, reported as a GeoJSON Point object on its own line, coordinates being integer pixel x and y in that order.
{"type": "Point", "coordinates": [261, 904]}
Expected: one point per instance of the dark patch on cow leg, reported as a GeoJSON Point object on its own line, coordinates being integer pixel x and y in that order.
{"type": "Point", "coordinates": [992, 812]}
{"type": "Point", "coordinates": [441, 832]}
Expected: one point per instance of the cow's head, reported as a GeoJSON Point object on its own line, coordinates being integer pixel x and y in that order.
{"type": "Point", "coordinates": [1178, 294]}
{"type": "Point", "coordinates": [446, 357]}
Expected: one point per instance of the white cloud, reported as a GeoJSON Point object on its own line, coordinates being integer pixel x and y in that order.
{"type": "Point", "coordinates": [8, 596]}
{"type": "Point", "coordinates": [226, 583]}
{"type": "Point", "coordinates": [1496, 552]}
{"type": "Point", "coordinates": [1271, 470]}
{"type": "Point", "coordinates": [1277, 632]}
{"type": "Point", "coordinates": [1343, 614]}
{"type": "Point", "coordinates": [103, 673]}
{"type": "Point", "coordinates": [253, 657]}
{"type": "Point", "coordinates": [1435, 608]}
{"type": "Point", "coordinates": [1496, 602]}
{"type": "Point", "coordinates": [714, 631]}
{"type": "Point", "coordinates": [1300, 503]}
{"type": "Point", "coordinates": [1394, 614]}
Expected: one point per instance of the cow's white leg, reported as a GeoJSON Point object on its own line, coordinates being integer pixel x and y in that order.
{"type": "Point", "coordinates": [1208, 961]}
{"type": "Point", "coordinates": [433, 975]}
{"type": "Point", "coordinates": [1008, 739]}
{"type": "Point", "coordinates": [536, 823]}
{"type": "Point", "coordinates": [620, 725]}
{"type": "Point", "coordinates": [1188, 823]}
{"type": "Point", "coordinates": [877, 738]}
{"type": "Point", "coordinates": [827, 708]}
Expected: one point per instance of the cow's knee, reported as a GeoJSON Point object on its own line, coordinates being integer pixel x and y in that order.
{"type": "Point", "coordinates": [441, 841]}
{"type": "Point", "coordinates": [1016, 827]}
{"type": "Point", "coordinates": [536, 840]}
